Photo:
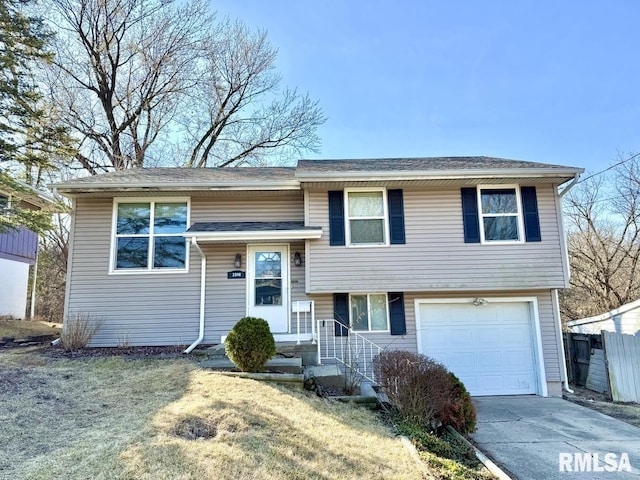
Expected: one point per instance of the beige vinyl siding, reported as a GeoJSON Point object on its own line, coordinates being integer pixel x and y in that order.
{"type": "Point", "coordinates": [435, 257]}
{"type": "Point", "coordinates": [134, 309]}
{"type": "Point", "coordinates": [251, 207]}
{"type": "Point", "coordinates": [548, 323]}
{"type": "Point", "coordinates": [324, 310]}
{"type": "Point", "coordinates": [226, 299]}
{"type": "Point", "coordinates": [164, 308]}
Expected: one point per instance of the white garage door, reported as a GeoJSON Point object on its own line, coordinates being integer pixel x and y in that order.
{"type": "Point", "coordinates": [489, 347]}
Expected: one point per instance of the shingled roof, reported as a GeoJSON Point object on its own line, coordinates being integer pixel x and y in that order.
{"type": "Point", "coordinates": [186, 177]}
{"type": "Point", "coordinates": [282, 178]}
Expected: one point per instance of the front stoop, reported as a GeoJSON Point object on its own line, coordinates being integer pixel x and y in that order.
{"type": "Point", "coordinates": [284, 365]}
{"type": "Point", "coordinates": [290, 357]}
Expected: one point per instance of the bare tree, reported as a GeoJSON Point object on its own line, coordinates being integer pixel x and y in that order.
{"type": "Point", "coordinates": [603, 213]}
{"type": "Point", "coordinates": [134, 75]}
{"type": "Point", "coordinates": [120, 67]}
{"type": "Point", "coordinates": [236, 117]}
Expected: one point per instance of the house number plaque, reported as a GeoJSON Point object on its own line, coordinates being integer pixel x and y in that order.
{"type": "Point", "coordinates": [236, 274]}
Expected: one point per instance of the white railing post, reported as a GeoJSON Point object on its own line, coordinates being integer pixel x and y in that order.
{"type": "Point", "coordinates": [313, 321]}
{"type": "Point", "coordinates": [298, 321]}
{"type": "Point", "coordinates": [354, 351]}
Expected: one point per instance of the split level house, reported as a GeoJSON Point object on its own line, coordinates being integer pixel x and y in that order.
{"type": "Point", "coordinates": [18, 250]}
{"type": "Point", "coordinates": [458, 258]}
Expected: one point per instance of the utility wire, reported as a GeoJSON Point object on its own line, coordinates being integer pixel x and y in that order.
{"type": "Point", "coordinates": [609, 168]}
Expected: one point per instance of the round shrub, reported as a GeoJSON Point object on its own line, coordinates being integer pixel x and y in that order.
{"type": "Point", "coordinates": [250, 344]}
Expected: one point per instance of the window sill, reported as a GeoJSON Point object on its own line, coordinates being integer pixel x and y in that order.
{"type": "Point", "coordinates": [150, 272]}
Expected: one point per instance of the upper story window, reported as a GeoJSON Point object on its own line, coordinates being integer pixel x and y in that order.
{"type": "Point", "coordinates": [369, 313]}
{"type": "Point", "coordinates": [366, 217]}
{"type": "Point", "coordinates": [148, 235]}
{"type": "Point", "coordinates": [500, 214]}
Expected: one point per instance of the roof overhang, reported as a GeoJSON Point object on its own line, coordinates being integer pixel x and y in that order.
{"type": "Point", "coordinates": [226, 232]}
{"type": "Point", "coordinates": [560, 175]}
{"type": "Point", "coordinates": [110, 188]}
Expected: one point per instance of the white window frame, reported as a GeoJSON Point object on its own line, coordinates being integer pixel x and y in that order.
{"type": "Point", "coordinates": [384, 218]}
{"type": "Point", "coordinates": [149, 270]}
{"type": "Point", "coordinates": [368, 295]}
{"type": "Point", "coordinates": [520, 218]}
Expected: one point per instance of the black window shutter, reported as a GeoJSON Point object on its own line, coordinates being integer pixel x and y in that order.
{"type": "Point", "coordinates": [530, 214]}
{"type": "Point", "coordinates": [396, 312]}
{"type": "Point", "coordinates": [341, 314]}
{"type": "Point", "coordinates": [470, 215]}
{"type": "Point", "coordinates": [396, 216]}
{"type": "Point", "coordinates": [336, 217]}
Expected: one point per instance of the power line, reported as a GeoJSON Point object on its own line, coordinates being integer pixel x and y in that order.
{"type": "Point", "coordinates": [609, 168]}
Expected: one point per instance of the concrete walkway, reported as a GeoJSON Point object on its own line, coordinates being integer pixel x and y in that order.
{"type": "Point", "coordinates": [527, 435]}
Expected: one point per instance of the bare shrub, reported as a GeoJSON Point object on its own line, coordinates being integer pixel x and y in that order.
{"type": "Point", "coordinates": [418, 387]}
{"type": "Point", "coordinates": [352, 376]}
{"type": "Point", "coordinates": [77, 331]}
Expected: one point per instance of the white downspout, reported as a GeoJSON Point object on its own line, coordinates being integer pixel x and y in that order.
{"type": "Point", "coordinates": [556, 312]}
{"type": "Point", "coordinates": [566, 189]}
{"type": "Point", "coordinates": [203, 279]}
{"type": "Point", "coordinates": [32, 310]}
{"type": "Point", "coordinates": [554, 292]}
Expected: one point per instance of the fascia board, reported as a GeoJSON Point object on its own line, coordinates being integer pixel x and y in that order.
{"type": "Point", "coordinates": [567, 173]}
{"type": "Point", "coordinates": [257, 235]}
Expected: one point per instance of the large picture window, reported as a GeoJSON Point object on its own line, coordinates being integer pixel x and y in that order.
{"type": "Point", "coordinates": [500, 214]}
{"type": "Point", "coordinates": [149, 235]}
{"type": "Point", "coordinates": [369, 312]}
{"type": "Point", "coordinates": [366, 217]}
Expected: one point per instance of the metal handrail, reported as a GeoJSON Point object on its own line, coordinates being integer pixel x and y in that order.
{"type": "Point", "coordinates": [305, 307]}
{"type": "Point", "coordinates": [354, 351]}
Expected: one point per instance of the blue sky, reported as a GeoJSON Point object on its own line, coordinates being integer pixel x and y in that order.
{"type": "Point", "coordinates": [548, 81]}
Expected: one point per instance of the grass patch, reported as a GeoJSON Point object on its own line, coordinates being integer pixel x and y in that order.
{"type": "Point", "coordinates": [23, 328]}
{"type": "Point", "coordinates": [123, 418]}
{"type": "Point", "coordinates": [446, 455]}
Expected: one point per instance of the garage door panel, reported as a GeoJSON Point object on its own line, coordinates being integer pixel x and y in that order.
{"type": "Point", "coordinates": [489, 347]}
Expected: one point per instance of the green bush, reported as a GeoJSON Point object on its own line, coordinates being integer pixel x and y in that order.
{"type": "Point", "coordinates": [460, 412]}
{"type": "Point", "coordinates": [250, 344]}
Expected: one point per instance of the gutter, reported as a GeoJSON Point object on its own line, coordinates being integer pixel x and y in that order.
{"type": "Point", "coordinates": [566, 189]}
{"type": "Point", "coordinates": [203, 278]}
{"type": "Point", "coordinates": [454, 174]}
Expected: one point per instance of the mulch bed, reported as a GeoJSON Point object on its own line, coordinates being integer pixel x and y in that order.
{"type": "Point", "coordinates": [107, 352]}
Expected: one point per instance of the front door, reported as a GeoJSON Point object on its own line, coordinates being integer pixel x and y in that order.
{"type": "Point", "coordinates": [268, 285]}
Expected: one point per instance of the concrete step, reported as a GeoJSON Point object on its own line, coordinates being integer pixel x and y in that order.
{"type": "Point", "coordinates": [307, 351]}
{"type": "Point", "coordinates": [275, 364]}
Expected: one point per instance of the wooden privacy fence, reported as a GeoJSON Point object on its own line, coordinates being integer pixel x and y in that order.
{"type": "Point", "coordinates": [578, 347]}
{"type": "Point", "coordinates": [622, 357]}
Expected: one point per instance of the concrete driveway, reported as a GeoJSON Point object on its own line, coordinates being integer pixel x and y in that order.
{"type": "Point", "coordinates": [537, 438]}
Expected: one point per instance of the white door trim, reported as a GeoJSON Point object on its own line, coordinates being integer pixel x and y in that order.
{"type": "Point", "coordinates": [534, 317]}
{"type": "Point", "coordinates": [286, 278]}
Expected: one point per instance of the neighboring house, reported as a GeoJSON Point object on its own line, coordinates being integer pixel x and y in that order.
{"type": "Point", "coordinates": [459, 258]}
{"type": "Point", "coordinates": [18, 250]}
{"type": "Point", "coordinates": [624, 319]}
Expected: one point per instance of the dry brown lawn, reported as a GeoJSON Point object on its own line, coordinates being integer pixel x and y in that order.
{"type": "Point", "coordinates": [23, 328]}
{"type": "Point", "coordinates": [122, 418]}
